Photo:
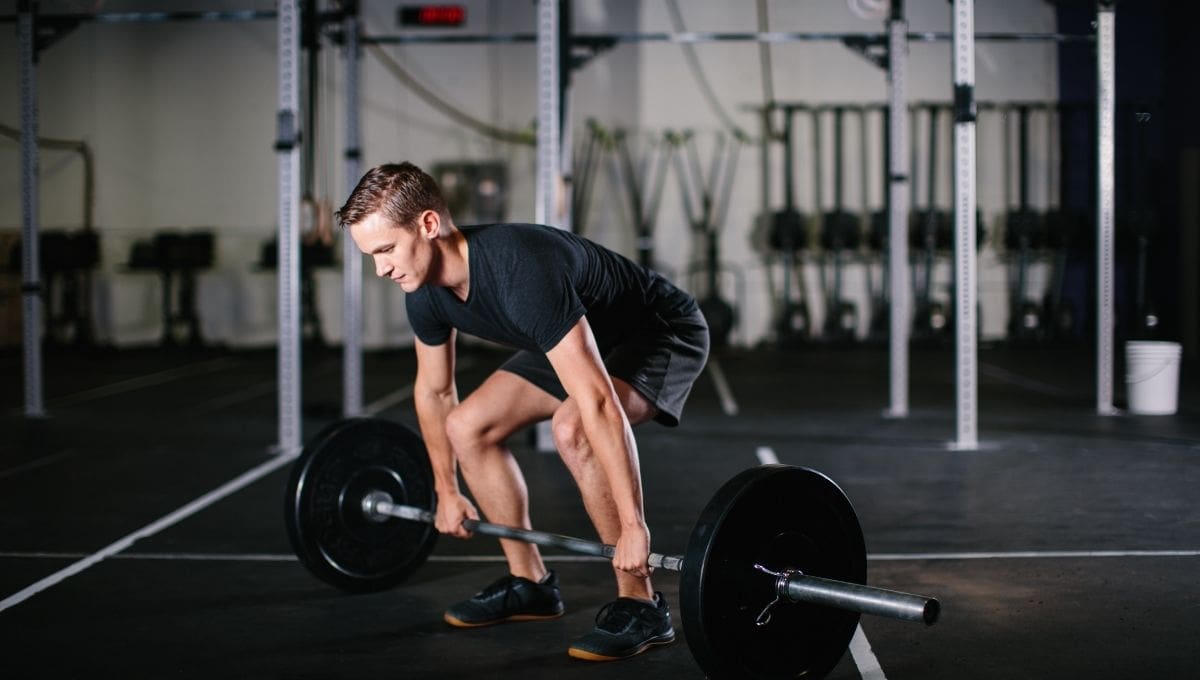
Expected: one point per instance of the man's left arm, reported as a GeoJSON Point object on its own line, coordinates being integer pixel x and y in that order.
{"type": "Point", "coordinates": [576, 360]}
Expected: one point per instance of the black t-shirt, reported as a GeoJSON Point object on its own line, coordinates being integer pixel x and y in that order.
{"type": "Point", "coordinates": [530, 284]}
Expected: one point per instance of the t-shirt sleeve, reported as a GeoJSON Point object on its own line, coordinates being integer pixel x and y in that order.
{"type": "Point", "coordinates": [426, 324]}
{"type": "Point", "coordinates": [550, 306]}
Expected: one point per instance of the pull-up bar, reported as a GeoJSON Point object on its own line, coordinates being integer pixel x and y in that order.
{"type": "Point", "coordinates": [149, 17]}
{"type": "Point", "coordinates": [585, 38]}
{"type": "Point", "coordinates": [608, 39]}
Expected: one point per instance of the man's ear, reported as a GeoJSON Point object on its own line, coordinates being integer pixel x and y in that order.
{"type": "Point", "coordinates": [429, 222]}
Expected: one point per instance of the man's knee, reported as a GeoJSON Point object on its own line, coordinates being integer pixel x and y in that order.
{"type": "Point", "coordinates": [467, 431]}
{"type": "Point", "coordinates": [569, 437]}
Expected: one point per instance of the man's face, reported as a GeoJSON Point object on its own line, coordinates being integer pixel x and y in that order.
{"type": "Point", "coordinates": [401, 254]}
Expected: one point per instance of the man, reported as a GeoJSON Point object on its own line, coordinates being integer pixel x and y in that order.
{"type": "Point", "coordinates": [603, 345]}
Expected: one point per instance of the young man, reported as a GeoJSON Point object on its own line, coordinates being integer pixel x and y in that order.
{"type": "Point", "coordinates": [603, 345]}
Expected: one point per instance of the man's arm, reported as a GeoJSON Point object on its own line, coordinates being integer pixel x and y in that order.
{"type": "Point", "coordinates": [577, 362]}
{"type": "Point", "coordinates": [435, 394]}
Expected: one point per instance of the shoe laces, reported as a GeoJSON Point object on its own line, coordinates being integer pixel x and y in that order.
{"type": "Point", "coordinates": [505, 585]}
{"type": "Point", "coordinates": [618, 615]}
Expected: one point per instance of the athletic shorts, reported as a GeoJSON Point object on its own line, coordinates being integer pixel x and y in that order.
{"type": "Point", "coordinates": [661, 363]}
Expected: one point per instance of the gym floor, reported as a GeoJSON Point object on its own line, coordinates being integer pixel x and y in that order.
{"type": "Point", "coordinates": [147, 512]}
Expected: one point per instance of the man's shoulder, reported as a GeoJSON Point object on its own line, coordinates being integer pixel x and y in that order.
{"type": "Point", "coordinates": [505, 230]}
{"type": "Point", "coordinates": [519, 239]}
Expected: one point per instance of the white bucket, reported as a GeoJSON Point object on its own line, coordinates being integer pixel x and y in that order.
{"type": "Point", "coordinates": [1152, 377]}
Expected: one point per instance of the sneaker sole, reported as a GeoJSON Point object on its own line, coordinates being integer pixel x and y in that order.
{"type": "Point", "coordinates": [459, 623]}
{"type": "Point", "coordinates": [592, 656]}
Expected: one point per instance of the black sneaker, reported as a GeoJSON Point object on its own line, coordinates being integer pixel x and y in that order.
{"type": "Point", "coordinates": [511, 598]}
{"type": "Point", "coordinates": [625, 627]}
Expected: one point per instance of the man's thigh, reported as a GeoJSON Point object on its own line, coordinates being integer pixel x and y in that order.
{"type": "Point", "coordinates": [505, 403]}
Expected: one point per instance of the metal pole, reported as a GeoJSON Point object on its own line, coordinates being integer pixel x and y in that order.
{"type": "Point", "coordinates": [965, 277]}
{"type": "Point", "coordinates": [352, 389]}
{"type": "Point", "coordinates": [1106, 103]}
{"type": "Point", "coordinates": [287, 146]}
{"type": "Point", "coordinates": [31, 284]}
{"type": "Point", "coordinates": [692, 37]}
{"type": "Point", "coordinates": [565, 131]}
{"type": "Point", "coordinates": [898, 194]}
{"type": "Point", "coordinates": [547, 207]}
{"type": "Point", "coordinates": [549, 172]}
{"type": "Point", "coordinates": [155, 17]}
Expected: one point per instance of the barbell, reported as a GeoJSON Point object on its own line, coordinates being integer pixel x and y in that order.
{"type": "Point", "coordinates": [772, 584]}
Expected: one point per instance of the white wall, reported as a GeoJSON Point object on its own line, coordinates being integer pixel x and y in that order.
{"type": "Point", "coordinates": [181, 120]}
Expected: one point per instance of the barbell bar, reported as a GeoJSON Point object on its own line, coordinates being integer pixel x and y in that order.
{"type": "Point", "coordinates": [791, 585]}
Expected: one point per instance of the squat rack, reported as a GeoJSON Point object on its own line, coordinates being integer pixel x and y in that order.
{"type": "Point", "coordinates": [35, 33]}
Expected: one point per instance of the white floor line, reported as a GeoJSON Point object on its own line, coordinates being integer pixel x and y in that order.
{"type": "Point", "coordinates": [502, 558]}
{"type": "Point", "coordinates": [882, 557]}
{"type": "Point", "coordinates": [1030, 555]}
{"type": "Point", "coordinates": [209, 557]}
{"type": "Point", "coordinates": [766, 456]}
{"type": "Point", "coordinates": [402, 394]}
{"type": "Point", "coordinates": [249, 393]}
{"type": "Point", "coordinates": [200, 368]}
{"type": "Point", "coordinates": [267, 557]}
{"type": "Point", "coordinates": [37, 463]}
{"type": "Point", "coordinates": [1005, 375]}
{"type": "Point", "coordinates": [864, 658]}
{"type": "Point", "coordinates": [236, 397]}
{"type": "Point", "coordinates": [388, 400]}
{"type": "Point", "coordinates": [724, 393]}
{"type": "Point", "coordinates": [186, 511]}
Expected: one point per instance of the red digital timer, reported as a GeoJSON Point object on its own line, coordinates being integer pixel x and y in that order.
{"type": "Point", "coordinates": [433, 15]}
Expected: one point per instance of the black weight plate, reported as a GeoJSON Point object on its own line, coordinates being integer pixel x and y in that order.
{"type": "Point", "coordinates": [781, 517]}
{"type": "Point", "coordinates": [326, 524]}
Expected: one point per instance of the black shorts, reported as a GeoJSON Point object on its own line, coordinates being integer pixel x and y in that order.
{"type": "Point", "coordinates": [661, 363]}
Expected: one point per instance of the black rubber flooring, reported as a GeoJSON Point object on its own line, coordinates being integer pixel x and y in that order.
{"type": "Point", "coordinates": [1067, 546]}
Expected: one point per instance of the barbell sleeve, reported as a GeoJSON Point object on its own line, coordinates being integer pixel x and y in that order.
{"type": "Point", "coordinates": [860, 598]}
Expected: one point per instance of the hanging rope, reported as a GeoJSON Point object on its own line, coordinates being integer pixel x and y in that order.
{"type": "Point", "coordinates": [524, 137]}
{"type": "Point", "coordinates": [689, 52]}
{"type": "Point", "coordinates": [768, 71]}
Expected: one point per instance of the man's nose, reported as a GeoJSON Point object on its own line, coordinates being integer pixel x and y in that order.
{"type": "Point", "coordinates": [381, 267]}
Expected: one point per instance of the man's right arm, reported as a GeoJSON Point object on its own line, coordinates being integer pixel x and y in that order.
{"type": "Point", "coordinates": [435, 394]}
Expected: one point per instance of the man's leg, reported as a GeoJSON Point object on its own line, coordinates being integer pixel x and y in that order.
{"type": "Point", "coordinates": [639, 618]}
{"type": "Point", "coordinates": [478, 428]}
{"type": "Point", "coordinates": [592, 480]}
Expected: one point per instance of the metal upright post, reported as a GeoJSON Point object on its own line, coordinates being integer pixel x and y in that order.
{"type": "Point", "coordinates": [352, 389]}
{"type": "Point", "coordinates": [965, 276]}
{"type": "Point", "coordinates": [898, 181]}
{"type": "Point", "coordinates": [551, 193]}
{"type": "Point", "coordinates": [1105, 107]}
{"type": "Point", "coordinates": [566, 145]}
{"type": "Point", "coordinates": [31, 283]}
{"type": "Point", "coordinates": [287, 146]}
{"type": "Point", "coordinates": [549, 172]}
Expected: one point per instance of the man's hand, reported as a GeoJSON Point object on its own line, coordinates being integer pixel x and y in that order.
{"type": "Point", "coordinates": [633, 551]}
{"type": "Point", "coordinates": [452, 510]}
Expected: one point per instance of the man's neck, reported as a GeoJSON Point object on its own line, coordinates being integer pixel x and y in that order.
{"type": "Point", "coordinates": [455, 264]}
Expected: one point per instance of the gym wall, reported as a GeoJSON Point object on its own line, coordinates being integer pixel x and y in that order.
{"type": "Point", "coordinates": [180, 118]}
